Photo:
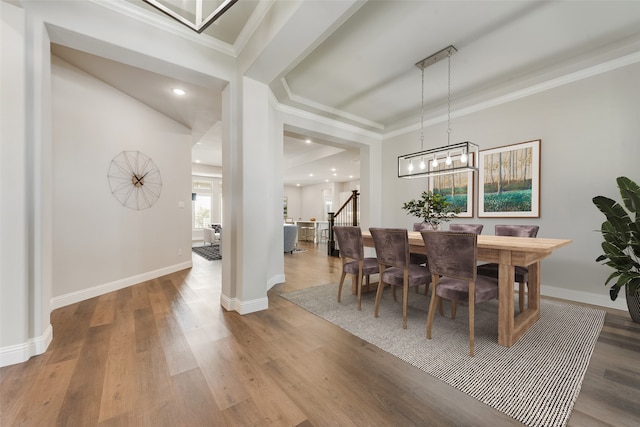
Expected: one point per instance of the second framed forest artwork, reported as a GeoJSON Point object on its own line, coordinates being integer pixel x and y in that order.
{"type": "Point", "coordinates": [509, 181]}
{"type": "Point", "coordinates": [456, 187]}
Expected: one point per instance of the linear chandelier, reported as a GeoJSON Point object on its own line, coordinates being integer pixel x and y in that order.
{"type": "Point", "coordinates": [452, 158]}
{"type": "Point", "coordinates": [198, 18]}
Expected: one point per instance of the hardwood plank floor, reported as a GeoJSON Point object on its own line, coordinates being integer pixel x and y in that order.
{"type": "Point", "coordinates": [164, 353]}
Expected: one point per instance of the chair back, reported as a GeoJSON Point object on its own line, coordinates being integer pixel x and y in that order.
{"type": "Point", "coordinates": [349, 241]}
{"type": "Point", "coordinates": [392, 246]}
{"type": "Point", "coordinates": [451, 253]}
{"type": "Point", "coordinates": [419, 226]}
{"type": "Point", "coordinates": [517, 230]}
{"type": "Point", "coordinates": [467, 228]}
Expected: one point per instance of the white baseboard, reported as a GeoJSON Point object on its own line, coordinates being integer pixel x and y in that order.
{"type": "Point", "coordinates": [84, 294]}
{"type": "Point", "coordinates": [22, 352]}
{"type": "Point", "coordinates": [278, 278]}
{"type": "Point", "coordinates": [244, 307]}
{"type": "Point", "coordinates": [602, 300]}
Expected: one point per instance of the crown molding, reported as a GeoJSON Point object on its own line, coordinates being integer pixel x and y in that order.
{"type": "Point", "coordinates": [316, 105]}
{"type": "Point", "coordinates": [328, 121]}
{"type": "Point", "coordinates": [592, 71]}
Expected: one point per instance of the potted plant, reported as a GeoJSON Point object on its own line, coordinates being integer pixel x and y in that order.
{"type": "Point", "coordinates": [432, 208]}
{"type": "Point", "coordinates": [621, 245]}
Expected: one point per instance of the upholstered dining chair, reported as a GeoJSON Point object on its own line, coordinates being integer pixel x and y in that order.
{"type": "Point", "coordinates": [452, 259]}
{"type": "Point", "coordinates": [467, 228]}
{"type": "Point", "coordinates": [353, 259]}
{"type": "Point", "coordinates": [416, 257]}
{"type": "Point", "coordinates": [521, 273]}
{"type": "Point", "coordinates": [392, 251]}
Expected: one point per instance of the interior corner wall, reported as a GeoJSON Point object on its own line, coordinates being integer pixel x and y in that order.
{"type": "Point", "coordinates": [98, 244]}
{"type": "Point", "coordinates": [275, 191]}
{"type": "Point", "coordinates": [14, 290]}
{"type": "Point", "coordinates": [589, 131]}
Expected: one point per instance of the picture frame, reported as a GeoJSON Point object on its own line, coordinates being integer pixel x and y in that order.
{"type": "Point", "coordinates": [509, 181]}
{"type": "Point", "coordinates": [456, 187]}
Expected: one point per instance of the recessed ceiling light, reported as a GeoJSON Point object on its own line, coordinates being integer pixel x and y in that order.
{"type": "Point", "coordinates": [310, 174]}
{"type": "Point", "coordinates": [178, 91]}
{"type": "Point", "coordinates": [333, 169]}
{"type": "Point", "coordinates": [335, 174]}
{"type": "Point", "coordinates": [198, 143]}
{"type": "Point", "coordinates": [197, 161]}
{"type": "Point", "coordinates": [326, 180]}
{"type": "Point", "coordinates": [297, 185]}
{"type": "Point", "coordinates": [308, 141]}
{"type": "Point", "coordinates": [350, 176]}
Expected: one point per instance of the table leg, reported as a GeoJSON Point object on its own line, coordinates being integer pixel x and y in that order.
{"type": "Point", "coordinates": [534, 287]}
{"type": "Point", "coordinates": [506, 277]}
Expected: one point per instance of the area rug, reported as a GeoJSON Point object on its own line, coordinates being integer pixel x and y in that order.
{"type": "Point", "coordinates": [536, 381]}
{"type": "Point", "coordinates": [211, 253]}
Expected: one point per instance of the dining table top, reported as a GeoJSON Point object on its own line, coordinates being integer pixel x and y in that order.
{"type": "Point", "coordinates": [525, 250]}
{"type": "Point", "coordinates": [530, 244]}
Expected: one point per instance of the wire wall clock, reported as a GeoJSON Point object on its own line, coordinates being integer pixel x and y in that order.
{"type": "Point", "coordinates": [134, 180]}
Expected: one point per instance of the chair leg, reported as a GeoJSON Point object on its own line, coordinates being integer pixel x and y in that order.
{"type": "Point", "coordinates": [521, 296]}
{"type": "Point", "coordinates": [454, 306]}
{"type": "Point", "coordinates": [359, 288]}
{"type": "Point", "coordinates": [472, 305]}
{"type": "Point", "coordinates": [405, 300]}
{"type": "Point", "coordinates": [393, 292]}
{"type": "Point", "coordinates": [378, 293]}
{"type": "Point", "coordinates": [432, 310]}
{"type": "Point", "coordinates": [341, 283]}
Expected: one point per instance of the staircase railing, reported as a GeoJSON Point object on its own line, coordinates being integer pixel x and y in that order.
{"type": "Point", "coordinates": [348, 214]}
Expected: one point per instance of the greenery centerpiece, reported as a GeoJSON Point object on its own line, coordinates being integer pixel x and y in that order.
{"type": "Point", "coordinates": [621, 245]}
{"type": "Point", "coordinates": [432, 208]}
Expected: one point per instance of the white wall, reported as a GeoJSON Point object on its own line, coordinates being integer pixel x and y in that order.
{"type": "Point", "coordinates": [294, 201]}
{"type": "Point", "coordinates": [98, 243]}
{"type": "Point", "coordinates": [589, 131]}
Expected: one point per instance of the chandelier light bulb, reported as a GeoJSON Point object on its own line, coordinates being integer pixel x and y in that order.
{"type": "Point", "coordinates": [410, 166]}
{"type": "Point", "coordinates": [463, 158]}
{"type": "Point", "coordinates": [434, 163]}
{"type": "Point", "coordinates": [422, 165]}
{"type": "Point", "coordinates": [448, 160]}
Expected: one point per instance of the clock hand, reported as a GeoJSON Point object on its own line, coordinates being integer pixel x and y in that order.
{"type": "Point", "coordinates": [139, 178]}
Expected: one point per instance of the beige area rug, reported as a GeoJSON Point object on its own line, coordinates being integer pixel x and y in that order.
{"type": "Point", "coordinates": [536, 381]}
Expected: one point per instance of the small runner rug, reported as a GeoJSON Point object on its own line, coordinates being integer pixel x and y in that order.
{"type": "Point", "coordinates": [536, 381]}
{"type": "Point", "coordinates": [211, 253]}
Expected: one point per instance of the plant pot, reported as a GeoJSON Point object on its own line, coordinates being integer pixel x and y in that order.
{"type": "Point", "coordinates": [633, 304]}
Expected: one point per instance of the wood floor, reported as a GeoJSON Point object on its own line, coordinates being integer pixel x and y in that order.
{"type": "Point", "coordinates": [163, 353]}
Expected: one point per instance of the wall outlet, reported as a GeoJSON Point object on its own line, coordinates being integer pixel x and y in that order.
{"type": "Point", "coordinates": [179, 252]}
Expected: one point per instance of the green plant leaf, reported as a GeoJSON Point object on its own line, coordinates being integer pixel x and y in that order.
{"type": "Point", "coordinates": [621, 237]}
{"type": "Point", "coordinates": [630, 192]}
{"type": "Point", "coordinates": [615, 214]}
{"type": "Point", "coordinates": [613, 292]}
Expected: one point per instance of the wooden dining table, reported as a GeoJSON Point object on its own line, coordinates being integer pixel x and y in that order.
{"type": "Point", "coordinates": [507, 252]}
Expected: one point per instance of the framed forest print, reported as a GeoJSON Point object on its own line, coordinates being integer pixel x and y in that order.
{"type": "Point", "coordinates": [456, 187]}
{"type": "Point", "coordinates": [509, 181]}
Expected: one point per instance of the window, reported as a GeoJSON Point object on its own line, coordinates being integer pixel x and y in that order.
{"type": "Point", "coordinates": [202, 211]}
{"type": "Point", "coordinates": [203, 214]}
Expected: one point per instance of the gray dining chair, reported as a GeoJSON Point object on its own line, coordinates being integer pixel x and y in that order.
{"type": "Point", "coordinates": [353, 260]}
{"type": "Point", "coordinates": [392, 252]}
{"type": "Point", "coordinates": [452, 259]}
{"type": "Point", "coordinates": [467, 228]}
{"type": "Point", "coordinates": [521, 273]}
